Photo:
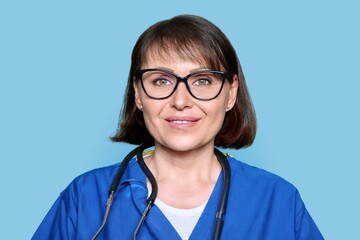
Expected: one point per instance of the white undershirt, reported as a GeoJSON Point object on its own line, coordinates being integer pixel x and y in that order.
{"type": "Point", "coordinates": [183, 220]}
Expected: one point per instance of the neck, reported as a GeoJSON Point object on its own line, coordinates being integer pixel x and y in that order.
{"type": "Point", "coordinates": [185, 178]}
{"type": "Point", "coordinates": [198, 164]}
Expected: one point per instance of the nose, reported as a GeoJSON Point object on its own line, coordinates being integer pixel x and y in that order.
{"type": "Point", "coordinates": [181, 98]}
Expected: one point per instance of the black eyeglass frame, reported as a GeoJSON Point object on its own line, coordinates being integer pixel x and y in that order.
{"type": "Point", "coordinates": [140, 73]}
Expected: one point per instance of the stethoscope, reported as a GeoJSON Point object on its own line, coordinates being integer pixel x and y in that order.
{"type": "Point", "coordinates": [151, 199]}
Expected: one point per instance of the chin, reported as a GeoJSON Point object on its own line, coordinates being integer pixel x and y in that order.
{"type": "Point", "coordinates": [184, 145]}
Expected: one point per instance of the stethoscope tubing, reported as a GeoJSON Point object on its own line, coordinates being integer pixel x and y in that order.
{"type": "Point", "coordinates": [113, 188]}
{"type": "Point", "coordinates": [219, 220]}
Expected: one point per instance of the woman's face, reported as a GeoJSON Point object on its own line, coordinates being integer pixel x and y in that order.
{"type": "Point", "coordinates": [181, 122]}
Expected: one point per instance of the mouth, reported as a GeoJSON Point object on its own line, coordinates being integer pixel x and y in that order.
{"type": "Point", "coordinates": [182, 121]}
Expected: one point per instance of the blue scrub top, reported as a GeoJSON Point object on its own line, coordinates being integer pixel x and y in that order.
{"type": "Point", "coordinates": [261, 205]}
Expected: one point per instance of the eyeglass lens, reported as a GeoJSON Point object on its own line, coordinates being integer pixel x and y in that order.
{"type": "Point", "coordinates": [203, 85]}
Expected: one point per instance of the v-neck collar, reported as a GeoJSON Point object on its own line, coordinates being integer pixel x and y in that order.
{"type": "Point", "coordinates": [156, 221]}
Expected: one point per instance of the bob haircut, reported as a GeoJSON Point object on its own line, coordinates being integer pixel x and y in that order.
{"type": "Point", "coordinates": [195, 39]}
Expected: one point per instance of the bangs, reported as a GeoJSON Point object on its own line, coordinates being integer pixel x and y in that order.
{"type": "Point", "coordinates": [167, 49]}
{"type": "Point", "coordinates": [187, 38]}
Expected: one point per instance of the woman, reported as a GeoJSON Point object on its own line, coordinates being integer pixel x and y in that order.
{"type": "Point", "coordinates": [186, 94]}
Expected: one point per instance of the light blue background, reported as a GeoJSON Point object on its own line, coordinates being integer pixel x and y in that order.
{"type": "Point", "coordinates": [63, 68]}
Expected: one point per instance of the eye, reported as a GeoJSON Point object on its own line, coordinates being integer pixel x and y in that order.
{"type": "Point", "coordinates": [162, 82]}
{"type": "Point", "coordinates": [206, 79]}
{"type": "Point", "coordinates": [202, 81]}
{"type": "Point", "coordinates": [158, 79]}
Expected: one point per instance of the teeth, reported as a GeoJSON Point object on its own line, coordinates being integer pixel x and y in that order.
{"type": "Point", "coordinates": [180, 121]}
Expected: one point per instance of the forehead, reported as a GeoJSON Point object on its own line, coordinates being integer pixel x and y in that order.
{"type": "Point", "coordinates": [168, 53]}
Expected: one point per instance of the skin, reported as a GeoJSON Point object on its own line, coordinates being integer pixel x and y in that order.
{"type": "Point", "coordinates": [183, 162]}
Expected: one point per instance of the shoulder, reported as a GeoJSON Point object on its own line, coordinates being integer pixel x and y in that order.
{"type": "Point", "coordinates": [251, 177]}
{"type": "Point", "coordinates": [258, 187]}
{"type": "Point", "coordinates": [97, 180]}
{"type": "Point", "coordinates": [266, 201]}
{"type": "Point", "coordinates": [103, 174]}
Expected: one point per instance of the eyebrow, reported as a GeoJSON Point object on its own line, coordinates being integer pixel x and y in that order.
{"type": "Point", "coordinates": [191, 71]}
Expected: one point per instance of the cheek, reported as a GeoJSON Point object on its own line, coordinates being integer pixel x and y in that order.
{"type": "Point", "coordinates": [216, 113]}
{"type": "Point", "coordinates": [150, 124]}
{"type": "Point", "coordinates": [151, 114]}
{"type": "Point", "coordinates": [148, 118]}
{"type": "Point", "coordinates": [220, 106]}
{"type": "Point", "coordinates": [219, 120]}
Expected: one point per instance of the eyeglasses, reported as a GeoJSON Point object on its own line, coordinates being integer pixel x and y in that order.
{"type": "Point", "coordinates": [203, 85]}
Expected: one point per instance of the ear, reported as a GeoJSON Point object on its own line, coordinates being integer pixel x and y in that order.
{"type": "Point", "coordinates": [233, 93]}
{"type": "Point", "coordinates": [137, 90]}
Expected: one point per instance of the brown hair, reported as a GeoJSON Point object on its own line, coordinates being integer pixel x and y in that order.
{"type": "Point", "coordinates": [196, 39]}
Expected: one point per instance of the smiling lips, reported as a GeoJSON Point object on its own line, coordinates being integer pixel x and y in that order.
{"type": "Point", "coordinates": [182, 122]}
